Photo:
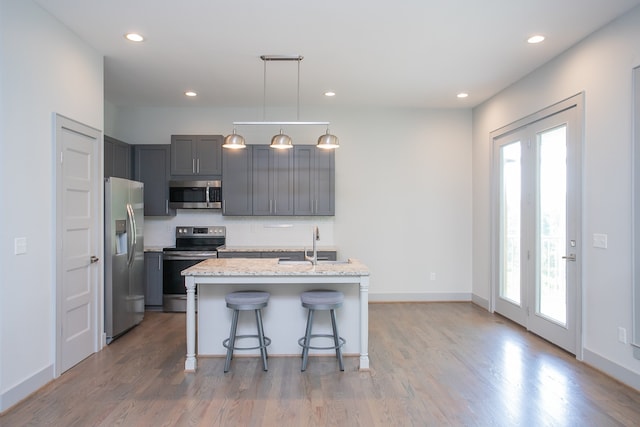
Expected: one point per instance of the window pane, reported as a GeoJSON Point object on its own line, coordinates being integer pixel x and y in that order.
{"type": "Point", "coordinates": [510, 222]}
{"type": "Point", "coordinates": [552, 286]}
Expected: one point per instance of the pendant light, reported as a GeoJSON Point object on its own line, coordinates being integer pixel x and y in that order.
{"type": "Point", "coordinates": [328, 141]}
{"type": "Point", "coordinates": [234, 141]}
{"type": "Point", "coordinates": [281, 140]}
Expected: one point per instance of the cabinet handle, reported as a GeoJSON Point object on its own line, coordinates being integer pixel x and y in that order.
{"type": "Point", "coordinates": [275, 206]}
{"type": "Point", "coordinates": [198, 165]}
{"type": "Point", "coordinates": [166, 206]}
{"type": "Point", "coordinates": [159, 262]}
{"type": "Point", "coordinates": [193, 165]}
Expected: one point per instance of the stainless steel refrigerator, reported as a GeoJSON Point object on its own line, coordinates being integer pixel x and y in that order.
{"type": "Point", "coordinates": [124, 256]}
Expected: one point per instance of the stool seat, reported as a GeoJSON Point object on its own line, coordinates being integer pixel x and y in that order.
{"type": "Point", "coordinates": [244, 301]}
{"type": "Point", "coordinates": [247, 300]}
{"type": "Point", "coordinates": [321, 300]}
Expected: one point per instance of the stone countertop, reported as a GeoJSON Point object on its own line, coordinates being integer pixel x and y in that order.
{"type": "Point", "coordinates": [228, 248]}
{"type": "Point", "coordinates": [271, 267]}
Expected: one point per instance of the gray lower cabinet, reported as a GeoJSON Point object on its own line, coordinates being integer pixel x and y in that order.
{"type": "Point", "coordinates": [196, 156]}
{"type": "Point", "coordinates": [239, 254]}
{"type": "Point", "coordinates": [117, 158]}
{"type": "Point", "coordinates": [314, 181]}
{"type": "Point", "coordinates": [272, 181]}
{"type": "Point", "coordinates": [151, 166]}
{"type": "Point", "coordinates": [153, 279]}
{"type": "Point", "coordinates": [285, 255]}
{"type": "Point", "coordinates": [237, 183]}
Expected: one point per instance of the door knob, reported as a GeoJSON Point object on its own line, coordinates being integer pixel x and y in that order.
{"type": "Point", "coordinates": [570, 257]}
{"type": "Point", "coordinates": [94, 259]}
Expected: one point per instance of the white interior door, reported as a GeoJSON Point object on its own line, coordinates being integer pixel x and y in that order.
{"type": "Point", "coordinates": [537, 219]}
{"type": "Point", "coordinates": [77, 242]}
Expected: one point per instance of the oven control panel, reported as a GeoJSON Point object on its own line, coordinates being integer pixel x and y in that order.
{"type": "Point", "coordinates": [195, 231]}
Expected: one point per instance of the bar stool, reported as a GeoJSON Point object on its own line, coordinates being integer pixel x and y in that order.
{"type": "Point", "coordinates": [241, 301]}
{"type": "Point", "coordinates": [321, 300]}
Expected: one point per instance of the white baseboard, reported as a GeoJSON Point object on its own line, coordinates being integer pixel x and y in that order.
{"type": "Point", "coordinates": [20, 391]}
{"type": "Point", "coordinates": [612, 369]}
{"type": "Point", "coordinates": [418, 297]}
{"type": "Point", "coordinates": [479, 301]}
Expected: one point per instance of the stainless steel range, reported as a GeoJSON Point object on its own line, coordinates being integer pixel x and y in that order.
{"type": "Point", "coordinates": [193, 245]}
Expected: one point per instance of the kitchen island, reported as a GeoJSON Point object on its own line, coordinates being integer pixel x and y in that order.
{"type": "Point", "coordinates": [284, 318]}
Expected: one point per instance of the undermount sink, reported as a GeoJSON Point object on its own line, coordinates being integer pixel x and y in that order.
{"type": "Point", "coordinates": [305, 262]}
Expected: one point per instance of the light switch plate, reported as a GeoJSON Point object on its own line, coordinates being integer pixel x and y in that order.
{"type": "Point", "coordinates": [600, 241]}
{"type": "Point", "coordinates": [20, 245]}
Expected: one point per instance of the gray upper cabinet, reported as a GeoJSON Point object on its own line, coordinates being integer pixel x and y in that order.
{"type": "Point", "coordinates": [196, 155]}
{"type": "Point", "coordinates": [117, 158]}
{"type": "Point", "coordinates": [272, 181]}
{"type": "Point", "coordinates": [315, 181]}
{"type": "Point", "coordinates": [237, 181]}
{"type": "Point", "coordinates": [152, 168]}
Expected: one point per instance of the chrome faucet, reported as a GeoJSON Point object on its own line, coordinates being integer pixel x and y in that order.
{"type": "Point", "coordinates": [316, 237]}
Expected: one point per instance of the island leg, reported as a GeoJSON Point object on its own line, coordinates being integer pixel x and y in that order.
{"type": "Point", "coordinates": [364, 323]}
{"type": "Point", "coordinates": [190, 362]}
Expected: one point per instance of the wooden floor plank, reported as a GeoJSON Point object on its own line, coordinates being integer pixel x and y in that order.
{"type": "Point", "coordinates": [431, 364]}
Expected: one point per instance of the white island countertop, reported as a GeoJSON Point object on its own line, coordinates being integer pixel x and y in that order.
{"type": "Point", "coordinates": [284, 317]}
{"type": "Point", "coordinates": [272, 267]}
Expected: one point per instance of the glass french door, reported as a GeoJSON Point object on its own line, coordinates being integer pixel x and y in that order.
{"type": "Point", "coordinates": [536, 224]}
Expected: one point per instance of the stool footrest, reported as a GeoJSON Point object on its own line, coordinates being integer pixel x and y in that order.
{"type": "Point", "coordinates": [267, 341]}
{"type": "Point", "coordinates": [303, 344]}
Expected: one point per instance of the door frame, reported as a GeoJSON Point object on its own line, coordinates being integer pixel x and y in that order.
{"type": "Point", "coordinates": [575, 101]}
{"type": "Point", "coordinates": [58, 121]}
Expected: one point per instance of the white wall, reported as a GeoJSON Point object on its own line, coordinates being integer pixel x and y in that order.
{"type": "Point", "coordinates": [403, 192]}
{"type": "Point", "coordinates": [601, 66]}
{"type": "Point", "coordinates": [45, 68]}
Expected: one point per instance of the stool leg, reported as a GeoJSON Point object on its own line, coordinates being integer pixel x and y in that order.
{"type": "Point", "coordinates": [307, 339]}
{"type": "Point", "coordinates": [232, 340]}
{"type": "Point", "coordinates": [336, 339]}
{"type": "Point", "coordinates": [263, 347]}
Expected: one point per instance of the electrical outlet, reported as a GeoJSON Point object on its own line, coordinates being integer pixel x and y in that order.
{"type": "Point", "coordinates": [432, 276]}
{"type": "Point", "coordinates": [622, 335]}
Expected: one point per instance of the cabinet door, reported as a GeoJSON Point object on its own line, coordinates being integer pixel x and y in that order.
{"type": "Point", "coordinates": [152, 168]}
{"type": "Point", "coordinates": [182, 155]}
{"type": "Point", "coordinates": [304, 200]}
{"type": "Point", "coordinates": [237, 182]}
{"type": "Point", "coordinates": [272, 181]}
{"type": "Point", "coordinates": [153, 278]}
{"type": "Point", "coordinates": [281, 173]}
{"type": "Point", "coordinates": [262, 202]}
{"type": "Point", "coordinates": [325, 187]}
{"type": "Point", "coordinates": [117, 158]}
{"type": "Point", "coordinates": [285, 255]}
{"type": "Point", "coordinates": [208, 154]}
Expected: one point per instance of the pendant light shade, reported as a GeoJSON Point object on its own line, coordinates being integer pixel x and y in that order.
{"type": "Point", "coordinates": [328, 141]}
{"type": "Point", "coordinates": [281, 141]}
{"type": "Point", "coordinates": [234, 141]}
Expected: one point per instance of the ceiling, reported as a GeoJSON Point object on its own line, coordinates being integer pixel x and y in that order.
{"type": "Point", "coordinates": [408, 53]}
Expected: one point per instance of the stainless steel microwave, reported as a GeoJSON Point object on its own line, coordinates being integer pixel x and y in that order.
{"type": "Point", "coordinates": [195, 194]}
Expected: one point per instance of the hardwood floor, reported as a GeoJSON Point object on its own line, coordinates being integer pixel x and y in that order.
{"type": "Point", "coordinates": [440, 364]}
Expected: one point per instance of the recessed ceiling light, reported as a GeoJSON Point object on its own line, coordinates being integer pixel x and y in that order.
{"type": "Point", "coordinates": [462, 95]}
{"type": "Point", "coordinates": [330, 93]}
{"type": "Point", "coordinates": [134, 37]}
{"type": "Point", "coordinates": [535, 39]}
{"type": "Point", "coordinates": [190, 93]}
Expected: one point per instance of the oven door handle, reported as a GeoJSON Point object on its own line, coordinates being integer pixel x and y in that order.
{"type": "Point", "coordinates": [192, 256]}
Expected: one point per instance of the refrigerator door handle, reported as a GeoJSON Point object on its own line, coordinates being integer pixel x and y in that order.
{"type": "Point", "coordinates": [132, 226]}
